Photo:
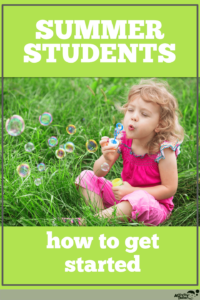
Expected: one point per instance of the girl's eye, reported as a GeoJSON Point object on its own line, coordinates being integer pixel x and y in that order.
{"type": "Point", "coordinates": [130, 110]}
{"type": "Point", "coordinates": [144, 115]}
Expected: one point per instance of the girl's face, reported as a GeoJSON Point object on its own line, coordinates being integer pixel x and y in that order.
{"type": "Point", "coordinates": [141, 119]}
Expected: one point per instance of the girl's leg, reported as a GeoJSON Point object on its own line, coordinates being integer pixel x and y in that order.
{"type": "Point", "coordinates": [90, 187]}
{"type": "Point", "coordinates": [123, 209]}
{"type": "Point", "coordinates": [90, 198]}
{"type": "Point", "coordinates": [98, 192]}
{"type": "Point", "coordinates": [93, 198]}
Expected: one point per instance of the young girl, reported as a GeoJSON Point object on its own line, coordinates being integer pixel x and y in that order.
{"type": "Point", "coordinates": [150, 144]}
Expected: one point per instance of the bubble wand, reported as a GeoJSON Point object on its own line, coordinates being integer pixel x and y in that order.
{"type": "Point", "coordinates": [113, 141]}
{"type": "Point", "coordinates": [119, 127]}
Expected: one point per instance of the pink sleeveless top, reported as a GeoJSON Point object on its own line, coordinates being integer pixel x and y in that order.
{"type": "Point", "coordinates": [142, 170]}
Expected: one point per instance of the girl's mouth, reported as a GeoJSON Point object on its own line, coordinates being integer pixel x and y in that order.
{"type": "Point", "coordinates": [130, 127]}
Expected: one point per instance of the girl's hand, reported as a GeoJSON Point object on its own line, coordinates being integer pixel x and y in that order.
{"type": "Point", "coordinates": [107, 151]}
{"type": "Point", "coordinates": [122, 190]}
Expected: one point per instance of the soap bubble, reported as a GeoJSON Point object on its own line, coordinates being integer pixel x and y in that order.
{"type": "Point", "coordinates": [71, 129]}
{"type": "Point", "coordinates": [15, 125]}
{"type": "Point", "coordinates": [69, 147]}
{"type": "Point", "coordinates": [45, 119]}
{"type": "Point", "coordinates": [38, 181]}
{"type": "Point", "coordinates": [105, 167]}
{"type": "Point", "coordinates": [29, 147]}
{"type": "Point", "coordinates": [41, 167]}
{"type": "Point", "coordinates": [53, 141]}
{"type": "Point", "coordinates": [23, 170]}
{"type": "Point", "coordinates": [60, 153]}
{"type": "Point", "coordinates": [54, 222]}
{"type": "Point", "coordinates": [62, 147]}
{"type": "Point", "coordinates": [91, 146]}
{"type": "Point", "coordinates": [83, 119]}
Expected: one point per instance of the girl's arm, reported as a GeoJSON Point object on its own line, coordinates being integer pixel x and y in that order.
{"type": "Point", "coordinates": [97, 165]}
{"type": "Point", "coordinates": [168, 175]}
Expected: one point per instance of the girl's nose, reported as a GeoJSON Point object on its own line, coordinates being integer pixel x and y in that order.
{"type": "Point", "coordinates": [135, 116]}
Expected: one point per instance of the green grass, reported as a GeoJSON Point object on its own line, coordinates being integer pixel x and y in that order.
{"type": "Point", "coordinates": [69, 100]}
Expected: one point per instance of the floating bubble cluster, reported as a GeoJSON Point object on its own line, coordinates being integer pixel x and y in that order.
{"type": "Point", "coordinates": [60, 153]}
{"type": "Point", "coordinates": [15, 125]}
{"type": "Point", "coordinates": [29, 147]}
{"type": "Point", "coordinates": [45, 119]}
{"type": "Point", "coordinates": [105, 167]}
{"type": "Point", "coordinates": [53, 141]}
{"type": "Point", "coordinates": [71, 129]}
{"type": "Point", "coordinates": [38, 181]}
{"type": "Point", "coordinates": [69, 147]}
{"type": "Point", "coordinates": [41, 167]}
{"type": "Point", "coordinates": [23, 170]}
{"type": "Point", "coordinates": [91, 146]}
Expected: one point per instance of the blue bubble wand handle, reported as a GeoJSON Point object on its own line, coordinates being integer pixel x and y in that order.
{"type": "Point", "coordinates": [119, 127]}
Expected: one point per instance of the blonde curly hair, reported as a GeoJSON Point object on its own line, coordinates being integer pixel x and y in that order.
{"type": "Point", "coordinates": [158, 92]}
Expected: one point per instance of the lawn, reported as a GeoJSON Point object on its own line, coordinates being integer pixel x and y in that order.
{"type": "Point", "coordinates": [87, 103]}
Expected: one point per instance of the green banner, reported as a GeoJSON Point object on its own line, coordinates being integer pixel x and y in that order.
{"type": "Point", "coordinates": [100, 256]}
{"type": "Point", "coordinates": [96, 41]}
